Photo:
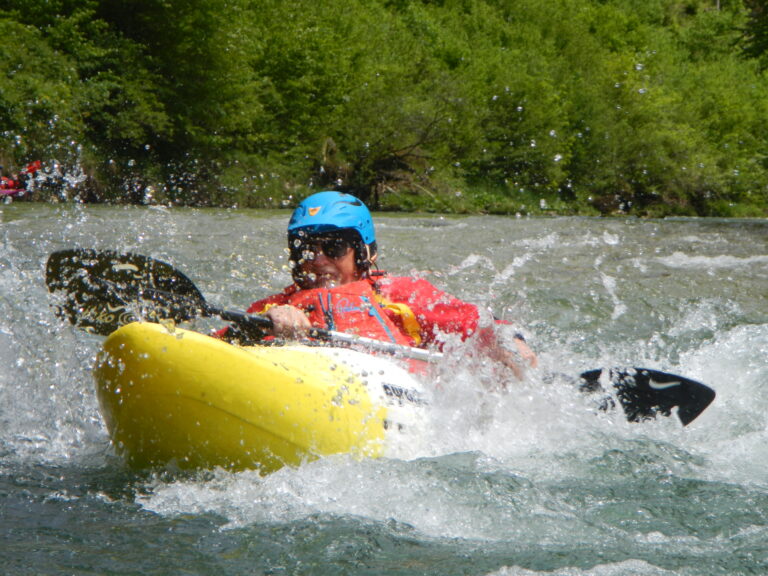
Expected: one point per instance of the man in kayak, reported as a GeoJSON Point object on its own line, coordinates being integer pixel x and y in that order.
{"type": "Point", "coordinates": [337, 286]}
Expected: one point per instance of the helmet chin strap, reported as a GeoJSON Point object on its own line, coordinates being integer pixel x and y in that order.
{"type": "Point", "coordinates": [370, 261]}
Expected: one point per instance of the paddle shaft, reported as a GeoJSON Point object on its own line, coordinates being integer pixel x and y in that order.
{"type": "Point", "coordinates": [243, 319]}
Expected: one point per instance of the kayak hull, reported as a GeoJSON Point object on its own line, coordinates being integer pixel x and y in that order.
{"type": "Point", "coordinates": [173, 397]}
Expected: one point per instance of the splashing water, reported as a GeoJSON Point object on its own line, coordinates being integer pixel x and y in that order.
{"type": "Point", "coordinates": [528, 481]}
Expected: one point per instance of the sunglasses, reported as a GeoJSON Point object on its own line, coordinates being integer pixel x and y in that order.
{"type": "Point", "coordinates": [334, 247]}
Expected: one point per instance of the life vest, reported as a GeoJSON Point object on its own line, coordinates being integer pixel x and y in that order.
{"type": "Point", "coordinates": [354, 308]}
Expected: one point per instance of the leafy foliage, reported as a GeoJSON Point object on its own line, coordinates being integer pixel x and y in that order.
{"type": "Point", "coordinates": [755, 39]}
{"type": "Point", "coordinates": [649, 107]}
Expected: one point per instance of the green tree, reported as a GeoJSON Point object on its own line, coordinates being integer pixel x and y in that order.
{"type": "Point", "coordinates": [755, 38]}
{"type": "Point", "coordinates": [646, 107]}
{"type": "Point", "coordinates": [37, 111]}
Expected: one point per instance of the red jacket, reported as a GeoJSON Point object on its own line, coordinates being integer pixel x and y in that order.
{"type": "Point", "coordinates": [404, 310]}
{"type": "Point", "coordinates": [435, 311]}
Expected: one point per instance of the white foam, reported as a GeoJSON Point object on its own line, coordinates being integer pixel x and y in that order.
{"type": "Point", "coordinates": [682, 261]}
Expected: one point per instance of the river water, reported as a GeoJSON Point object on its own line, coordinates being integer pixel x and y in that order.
{"type": "Point", "coordinates": [524, 483]}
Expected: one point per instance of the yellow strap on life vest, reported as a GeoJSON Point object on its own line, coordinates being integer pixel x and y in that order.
{"type": "Point", "coordinates": [410, 323]}
{"type": "Point", "coordinates": [265, 309]}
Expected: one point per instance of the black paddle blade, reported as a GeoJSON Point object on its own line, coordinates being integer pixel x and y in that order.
{"type": "Point", "coordinates": [105, 290]}
{"type": "Point", "coordinates": [645, 393]}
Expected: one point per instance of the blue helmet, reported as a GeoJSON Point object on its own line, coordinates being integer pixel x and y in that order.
{"type": "Point", "coordinates": [329, 212]}
{"type": "Point", "coordinates": [332, 211]}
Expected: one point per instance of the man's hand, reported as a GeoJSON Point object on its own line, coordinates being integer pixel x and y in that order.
{"type": "Point", "coordinates": [288, 322]}
{"type": "Point", "coordinates": [514, 360]}
{"type": "Point", "coordinates": [526, 353]}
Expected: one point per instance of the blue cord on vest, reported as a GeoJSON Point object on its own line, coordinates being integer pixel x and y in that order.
{"type": "Point", "coordinates": [372, 311]}
{"type": "Point", "coordinates": [327, 312]}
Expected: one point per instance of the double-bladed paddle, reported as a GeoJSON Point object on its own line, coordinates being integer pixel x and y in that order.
{"type": "Point", "coordinates": [103, 290]}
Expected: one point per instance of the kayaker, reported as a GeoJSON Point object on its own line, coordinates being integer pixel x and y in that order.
{"type": "Point", "coordinates": [337, 286]}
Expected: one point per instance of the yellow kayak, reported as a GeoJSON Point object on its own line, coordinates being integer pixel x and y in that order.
{"type": "Point", "coordinates": [173, 397]}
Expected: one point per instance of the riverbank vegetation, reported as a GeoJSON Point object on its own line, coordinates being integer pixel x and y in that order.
{"type": "Point", "coordinates": [647, 107]}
